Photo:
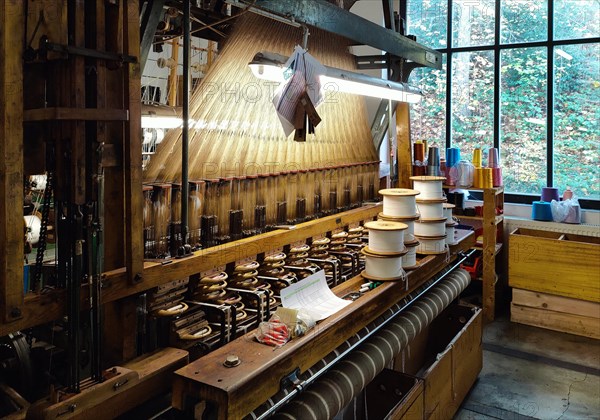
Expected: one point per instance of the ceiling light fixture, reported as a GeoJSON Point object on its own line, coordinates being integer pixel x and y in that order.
{"type": "Point", "coordinates": [271, 66]}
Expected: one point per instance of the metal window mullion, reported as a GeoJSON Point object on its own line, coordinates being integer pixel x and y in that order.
{"type": "Point", "coordinates": [497, 76]}
{"type": "Point", "coordinates": [449, 75]}
{"type": "Point", "coordinates": [550, 98]}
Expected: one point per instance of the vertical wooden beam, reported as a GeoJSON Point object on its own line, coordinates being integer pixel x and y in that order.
{"type": "Point", "coordinates": [12, 26]}
{"type": "Point", "coordinates": [132, 157]}
{"type": "Point", "coordinates": [404, 145]}
{"type": "Point", "coordinates": [489, 254]}
{"type": "Point", "coordinates": [173, 72]}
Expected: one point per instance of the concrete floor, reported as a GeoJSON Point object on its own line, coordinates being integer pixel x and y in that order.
{"type": "Point", "coordinates": [533, 373]}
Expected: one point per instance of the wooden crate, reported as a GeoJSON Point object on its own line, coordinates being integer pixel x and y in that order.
{"type": "Point", "coordinates": [558, 264]}
{"type": "Point", "coordinates": [395, 395]}
{"type": "Point", "coordinates": [448, 357]}
{"type": "Point", "coordinates": [557, 313]}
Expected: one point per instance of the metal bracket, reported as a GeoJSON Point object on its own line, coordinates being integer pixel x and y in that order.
{"type": "Point", "coordinates": [291, 380]}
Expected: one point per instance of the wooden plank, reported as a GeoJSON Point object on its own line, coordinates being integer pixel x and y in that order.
{"type": "Point", "coordinates": [404, 145]}
{"type": "Point", "coordinates": [489, 254]}
{"type": "Point", "coordinates": [558, 321]}
{"type": "Point", "coordinates": [559, 267]}
{"type": "Point", "coordinates": [412, 408]}
{"type": "Point", "coordinates": [79, 114]}
{"type": "Point", "coordinates": [242, 389]}
{"type": "Point", "coordinates": [134, 229]}
{"type": "Point", "coordinates": [203, 260]}
{"type": "Point", "coordinates": [12, 19]}
{"type": "Point", "coordinates": [555, 303]}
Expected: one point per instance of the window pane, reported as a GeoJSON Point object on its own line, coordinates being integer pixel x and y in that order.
{"type": "Point", "coordinates": [576, 19]}
{"type": "Point", "coordinates": [576, 119]}
{"type": "Point", "coordinates": [523, 21]}
{"type": "Point", "coordinates": [428, 20]}
{"type": "Point", "coordinates": [472, 101]}
{"type": "Point", "coordinates": [428, 117]}
{"type": "Point", "coordinates": [472, 23]}
{"type": "Point", "coordinates": [523, 112]}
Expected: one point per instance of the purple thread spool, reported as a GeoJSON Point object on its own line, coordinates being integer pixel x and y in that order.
{"type": "Point", "coordinates": [497, 177]}
{"type": "Point", "coordinates": [549, 194]}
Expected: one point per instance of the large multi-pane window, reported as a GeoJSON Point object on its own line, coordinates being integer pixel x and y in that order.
{"type": "Point", "coordinates": [519, 75]}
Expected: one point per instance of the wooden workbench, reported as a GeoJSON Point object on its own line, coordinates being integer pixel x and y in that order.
{"type": "Point", "coordinates": [239, 390]}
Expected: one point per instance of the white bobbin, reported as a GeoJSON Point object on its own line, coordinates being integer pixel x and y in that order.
{"type": "Point", "coordinates": [386, 237]}
{"type": "Point", "coordinates": [448, 208]}
{"type": "Point", "coordinates": [409, 260]}
{"type": "Point", "coordinates": [431, 209]}
{"type": "Point", "coordinates": [399, 202]}
{"type": "Point", "coordinates": [430, 186]}
{"type": "Point", "coordinates": [409, 233]}
{"type": "Point", "coordinates": [383, 267]}
{"type": "Point", "coordinates": [431, 227]}
{"type": "Point", "coordinates": [431, 245]}
{"type": "Point", "coordinates": [450, 239]}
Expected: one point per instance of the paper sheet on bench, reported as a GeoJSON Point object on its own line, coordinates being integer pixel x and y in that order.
{"type": "Point", "coordinates": [313, 296]}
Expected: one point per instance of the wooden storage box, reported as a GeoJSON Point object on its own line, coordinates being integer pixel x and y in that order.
{"type": "Point", "coordinates": [559, 264]}
{"type": "Point", "coordinates": [448, 357]}
{"type": "Point", "coordinates": [574, 316]}
{"type": "Point", "coordinates": [395, 395]}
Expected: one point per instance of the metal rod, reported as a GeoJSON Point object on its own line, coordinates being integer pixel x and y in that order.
{"type": "Point", "coordinates": [300, 387]}
{"type": "Point", "coordinates": [185, 139]}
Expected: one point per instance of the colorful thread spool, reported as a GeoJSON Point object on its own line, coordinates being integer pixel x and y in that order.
{"type": "Point", "coordinates": [541, 210]}
{"type": "Point", "coordinates": [549, 194]}
{"type": "Point", "coordinates": [493, 160]}
{"type": "Point", "coordinates": [419, 151]}
{"type": "Point", "coordinates": [488, 178]}
{"type": "Point", "coordinates": [497, 177]}
{"type": "Point", "coordinates": [478, 178]}
{"type": "Point", "coordinates": [477, 158]}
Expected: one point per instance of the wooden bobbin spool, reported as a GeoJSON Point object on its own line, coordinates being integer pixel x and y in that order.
{"type": "Point", "coordinates": [431, 209]}
{"type": "Point", "coordinates": [380, 267]}
{"type": "Point", "coordinates": [409, 234]}
{"type": "Point", "coordinates": [399, 202]}
{"type": "Point", "coordinates": [409, 260]}
{"type": "Point", "coordinates": [429, 186]}
{"type": "Point", "coordinates": [448, 209]}
{"type": "Point", "coordinates": [431, 245]}
{"type": "Point", "coordinates": [386, 238]}
{"type": "Point", "coordinates": [430, 227]}
{"type": "Point", "coordinates": [450, 228]}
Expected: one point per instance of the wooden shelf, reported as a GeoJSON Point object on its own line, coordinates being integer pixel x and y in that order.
{"type": "Point", "coordinates": [496, 251]}
{"type": "Point", "coordinates": [75, 114]}
{"type": "Point", "coordinates": [499, 219]}
{"type": "Point", "coordinates": [497, 190]}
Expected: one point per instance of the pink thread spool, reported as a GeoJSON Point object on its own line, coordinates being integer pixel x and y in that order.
{"type": "Point", "coordinates": [497, 177]}
{"type": "Point", "coordinates": [493, 161]}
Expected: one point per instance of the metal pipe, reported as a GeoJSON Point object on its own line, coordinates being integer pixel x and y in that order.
{"type": "Point", "coordinates": [186, 119]}
{"type": "Point", "coordinates": [301, 386]}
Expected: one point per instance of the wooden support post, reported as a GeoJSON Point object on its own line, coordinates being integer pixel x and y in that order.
{"type": "Point", "coordinates": [173, 72]}
{"type": "Point", "coordinates": [132, 156]}
{"type": "Point", "coordinates": [489, 254]}
{"type": "Point", "coordinates": [404, 145]}
{"type": "Point", "coordinates": [12, 25]}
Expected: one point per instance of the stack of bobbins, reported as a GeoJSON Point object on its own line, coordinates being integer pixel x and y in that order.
{"type": "Point", "coordinates": [338, 244]}
{"type": "Point", "coordinates": [279, 278]}
{"type": "Point", "coordinates": [383, 255]}
{"type": "Point", "coordinates": [212, 288]}
{"type": "Point", "coordinates": [355, 235]}
{"type": "Point", "coordinates": [297, 258]}
{"type": "Point", "coordinates": [399, 205]}
{"type": "Point", "coordinates": [450, 224]}
{"type": "Point", "coordinates": [244, 276]}
{"type": "Point", "coordinates": [430, 229]}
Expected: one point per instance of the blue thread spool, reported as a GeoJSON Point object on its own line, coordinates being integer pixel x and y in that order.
{"type": "Point", "coordinates": [452, 156]}
{"type": "Point", "coordinates": [541, 210]}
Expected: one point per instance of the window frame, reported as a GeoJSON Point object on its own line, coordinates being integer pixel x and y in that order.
{"type": "Point", "coordinates": [497, 48]}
